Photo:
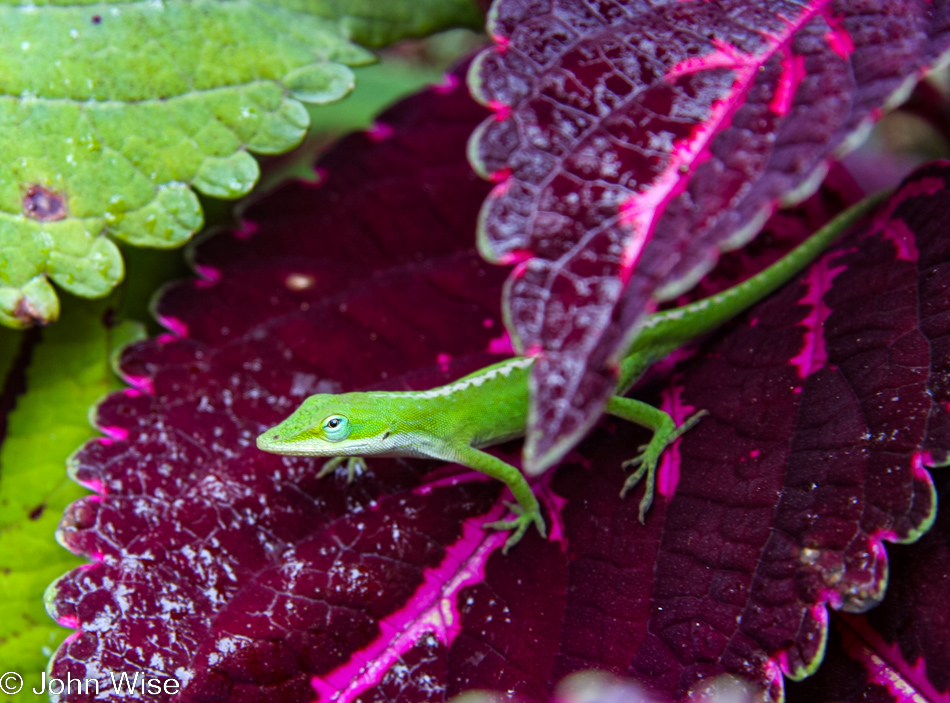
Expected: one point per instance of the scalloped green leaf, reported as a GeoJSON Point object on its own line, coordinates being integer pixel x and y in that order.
{"type": "Point", "coordinates": [377, 23]}
{"type": "Point", "coordinates": [63, 370]}
{"type": "Point", "coordinates": [112, 114]}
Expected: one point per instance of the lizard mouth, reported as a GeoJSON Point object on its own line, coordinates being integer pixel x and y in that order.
{"type": "Point", "coordinates": [268, 444]}
{"type": "Point", "coordinates": [272, 444]}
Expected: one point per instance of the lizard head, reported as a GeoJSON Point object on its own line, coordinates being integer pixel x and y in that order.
{"type": "Point", "coordinates": [347, 424]}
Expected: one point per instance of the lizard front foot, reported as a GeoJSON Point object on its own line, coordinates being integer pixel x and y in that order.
{"type": "Point", "coordinates": [354, 465]}
{"type": "Point", "coordinates": [519, 525]}
{"type": "Point", "coordinates": [649, 456]}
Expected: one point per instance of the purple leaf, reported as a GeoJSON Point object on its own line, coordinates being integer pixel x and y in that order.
{"type": "Point", "coordinates": [825, 401]}
{"type": "Point", "coordinates": [901, 648]}
{"type": "Point", "coordinates": [242, 576]}
{"type": "Point", "coordinates": [633, 140]}
{"type": "Point", "coordinates": [195, 533]}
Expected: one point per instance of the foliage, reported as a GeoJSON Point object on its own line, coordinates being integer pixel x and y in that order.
{"type": "Point", "coordinates": [632, 141]}
{"type": "Point", "coordinates": [247, 577]}
{"type": "Point", "coordinates": [242, 576]}
{"type": "Point", "coordinates": [114, 114]}
{"type": "Point", "coordinates": [53, 379]}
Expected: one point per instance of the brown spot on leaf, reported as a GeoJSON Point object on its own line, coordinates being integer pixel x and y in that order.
{"type": "Point", "coordinates": [44, 205]}
{"type": "Point", "coordinates": [80, 516]}
{"type": "Point", "coordinates": [37, 512]}
{"type": "Point", "coordinates": [26, 313]}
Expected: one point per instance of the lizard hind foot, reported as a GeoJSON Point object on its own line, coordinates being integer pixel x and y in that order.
{"type": "Point", "coordinates": [648, 458]}
{"type": "Point", "coordinates": [518, 526]}
{"type": "Point", "coordinates": [354, 465]}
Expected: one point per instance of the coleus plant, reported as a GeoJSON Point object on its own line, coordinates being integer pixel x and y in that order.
{"type": "Point", "coordinates": [49, 381]}
{"type": "Point", "coordinates": [633, 140]}
{"type": "Point", "coordinates": [245, 578]}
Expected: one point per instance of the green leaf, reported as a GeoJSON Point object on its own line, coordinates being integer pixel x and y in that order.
{"type": "Point", "coordinates": [380, 22]}
{"type": "Point", "coordinates": [397, 74]}
{"type": "Point", "coordinates": [68, 370]}
{"type": "Point", "coordinates": [377, 86]}
{"type": "Point", "coordinates": [112, 114]}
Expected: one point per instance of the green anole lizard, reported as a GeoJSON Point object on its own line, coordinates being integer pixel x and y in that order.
{"type": "Point", "coordinates": [453, 422]}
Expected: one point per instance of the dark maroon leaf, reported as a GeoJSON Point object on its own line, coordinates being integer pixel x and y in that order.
{"type": "Point", "coordinates": [914, 621]}
{"type": "Point", "coordinates": [244, 577]}
{"type": "Point", "coordinates": [633, 140]}
{"type": "Point", "coordinates": [902, 648]}
{"type": "Point", "coordinates": [785, 230]}
{"type": "Point", "coordinates": [825, 401]}
{"type": "Point", "coordinates": [195, 534]}
{"type": "Point", "coordinates": [848, 674]}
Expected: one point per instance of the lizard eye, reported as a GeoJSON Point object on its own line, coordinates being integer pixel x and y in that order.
{"type": "Point", "coordinates": [336, 428]}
